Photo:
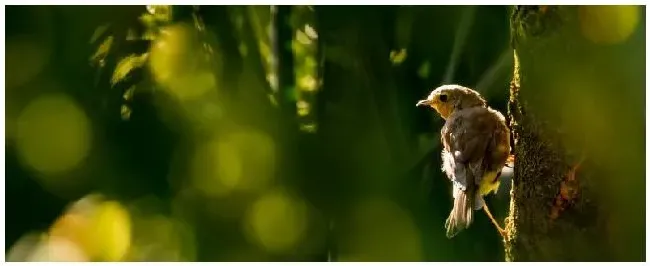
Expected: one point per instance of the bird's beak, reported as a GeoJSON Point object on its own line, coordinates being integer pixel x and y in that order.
{"type": "Point", "coordinates": [422, 102]}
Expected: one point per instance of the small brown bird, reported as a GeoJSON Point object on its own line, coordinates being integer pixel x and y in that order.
{"type": "Point", "coordinates": [476, 145]}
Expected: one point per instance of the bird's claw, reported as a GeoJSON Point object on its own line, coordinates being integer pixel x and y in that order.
{"type": "Point", "coordinates": [510, 162]}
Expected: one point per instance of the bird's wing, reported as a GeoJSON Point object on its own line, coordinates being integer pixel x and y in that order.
{"type": "Point", "coordinates": [466, 136]}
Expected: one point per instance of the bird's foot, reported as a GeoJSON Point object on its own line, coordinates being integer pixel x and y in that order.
{"type": "Point", "coordinates": [502, 232]}
{"type": "Point", "coordinates": [510, 162]}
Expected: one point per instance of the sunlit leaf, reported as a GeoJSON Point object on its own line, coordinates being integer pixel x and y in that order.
{"type": "Point", "coordinates": [310, 62]}
{"type": "Point", "coordinates": [161, 13]}
{"type": "Point", "coordinates": [128, 94]}
{"type": "Point", "coordinates": [131, 35]}
{"type": "Point", "coordinates": [125, 112]}
{"type": "Point", "coordinates": [302, 108]}
{"type": "Point", "coordinates": [126, 65]}
{"type": "Point", "coordinates": [102, 50]}
{"type": "Point", "coordinates": [272, 99]}
{"type": "Point", "coordinates": [311, 32]}
{"type": "Point", "coordinates": [272, 78]}
{"type": "Point", "coordinates": [298, 48]}
{"type": "Point", "coordinates": [309, 128]}
{"type": "Point", "coordinates": [398, 57]}
{"type": "Point", "coordinates": [198, 22]}
{"type": "Point", "coordinates": [148, 20]}
{"type": "Point", "coordinates": [302, 37]}
{"type": "Point", "coordinates": [307, 83]}
{"type": "Point", "coordinates": [265, 51]}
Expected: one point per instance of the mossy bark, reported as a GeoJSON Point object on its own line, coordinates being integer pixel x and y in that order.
{"type": "Point", "coordinates": [556, 214]}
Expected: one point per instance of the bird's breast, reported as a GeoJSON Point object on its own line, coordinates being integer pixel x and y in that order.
{"type": "Point", "coordinates": [489, 183]}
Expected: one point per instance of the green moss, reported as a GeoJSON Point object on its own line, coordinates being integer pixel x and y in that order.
{"type": "Point", "coordinates": [532, 22]}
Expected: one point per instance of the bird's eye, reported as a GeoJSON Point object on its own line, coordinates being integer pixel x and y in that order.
{"type": "Point", "coordinates": [443, 98]}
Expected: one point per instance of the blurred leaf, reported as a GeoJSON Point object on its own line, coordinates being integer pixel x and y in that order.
{"type": "Point", "coordinates": [126, 65]}
{"type": "Point", "coordinates": [148, 20]}
{"type": "Point", "coordinates": [162, 13]}
{"type": "Point", "coordinates": [424, 69]}
{"type": "Point", "coordinates": [303, 108]}
{"type": "Point", "coordinates": [102, 50]}
{"type": "Point", "coordinates": [98, 32]}
{"type": "Point", "coordinates": [307, 83]}
{"type": "Point", "coordinates": [272, 99]}
{"type": "Point", "coordinates": [311, 32]}
{"type": "Point", "coordinates": [309, 128]}
{"type": "Point", "coordinates": [131, 35]}
{"type": "Point", "coordinates": [128, 94]}
{"type": "Point", "coordinates": [125, 112]}
{"type": "Point", "coordinates": [398, 57]}
{"type": "Point", "coordinates": [302, 37]}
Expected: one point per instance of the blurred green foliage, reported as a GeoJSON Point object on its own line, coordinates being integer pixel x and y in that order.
{"type": "Point", "coordinates": [245, 133]}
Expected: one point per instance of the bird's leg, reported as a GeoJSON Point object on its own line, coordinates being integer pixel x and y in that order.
{"type": "Point", "coordinates": [494, 221]}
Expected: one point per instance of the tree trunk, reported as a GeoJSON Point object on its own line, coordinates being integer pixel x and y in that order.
{"type": "Point", "coordinates": [576, 103]}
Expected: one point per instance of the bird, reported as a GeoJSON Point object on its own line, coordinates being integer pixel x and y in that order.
{"type": "Point", "coordinates": [475, 147]}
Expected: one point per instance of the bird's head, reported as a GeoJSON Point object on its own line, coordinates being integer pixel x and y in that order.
{"type": "Point", "coordinates": [447, 99]}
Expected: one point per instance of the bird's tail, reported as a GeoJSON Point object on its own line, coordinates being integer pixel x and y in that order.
{"type": "Point", "coordinates": [462, 213]}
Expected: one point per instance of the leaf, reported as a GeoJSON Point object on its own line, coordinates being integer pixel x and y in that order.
{"type": "Point", "coordinates": [397, 57]}
{"type": "Point", "coordinates": [311, 32]}
{"type": "Point", "coordinates": [131, 35]}
{"type": "Point", "coordinates": [102, 50]}
{"type": "Point", "coordinates": [126, 65]}
{"type": "Point", "coordinates": [128, 94]}
{"type": "Point", "coordinates": [125, 112]}
{"type": "Point", "coordinates": [309, 128]}
{"type": "Point", "coordinates": [423, 71]}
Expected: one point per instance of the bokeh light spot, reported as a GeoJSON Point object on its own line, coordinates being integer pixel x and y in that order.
{"type": "Point", "coordinates": [112, 229]}
{"type": "Point", "coordinates": [608, 24]}
{"type": "Point", "coordinates": [26, 56]}
{"type": "Point", "coordinates": [24, 247]}
{"type": "Point", "coordinates": [242, 160]}
{"type": "Point", "coordinates": [162, 238]}
{"type": "Point", "coordinates": [277, 221]}
{"type": "Point", "coordinates": [53, 134]}
{"type": "Point", "coordinates": [58, 249]}
{"type": "Point", "coordinates": [175, 62]}
{"type": "Point", "coordinates": [100, 228]}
